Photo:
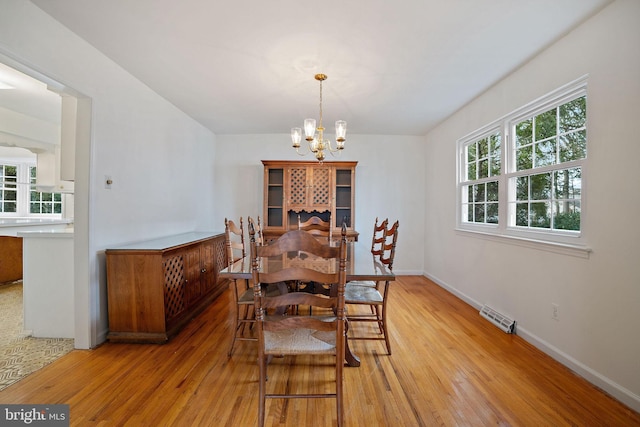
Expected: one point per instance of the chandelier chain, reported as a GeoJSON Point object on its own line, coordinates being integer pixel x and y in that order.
{"type": "Point", "coordinates": [321, 103]}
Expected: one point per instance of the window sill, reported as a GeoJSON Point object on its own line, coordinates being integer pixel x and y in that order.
{"type": "Point", "coordinates": [579, 251]}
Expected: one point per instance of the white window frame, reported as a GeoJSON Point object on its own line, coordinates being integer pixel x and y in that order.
{"type": "Point", "coordinates": [24, 188]}
{"type": "Point", "coordinates": [562, 241]}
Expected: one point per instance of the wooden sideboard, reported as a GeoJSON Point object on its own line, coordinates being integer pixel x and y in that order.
{"type": "Point", "coordinates": [308, 188]}
{"type": "Point", "coordinates": [157, 286]}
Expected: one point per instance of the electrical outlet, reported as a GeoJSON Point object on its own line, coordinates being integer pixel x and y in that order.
{"type": "Point", "coordinates": [554, 312]}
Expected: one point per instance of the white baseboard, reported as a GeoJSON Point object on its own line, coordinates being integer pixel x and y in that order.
{"type": "Point", "coordinates": [619, 392]}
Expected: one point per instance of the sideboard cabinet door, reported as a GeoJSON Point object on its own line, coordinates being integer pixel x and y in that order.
{"type": "Point", "coordinates": [175, 300]}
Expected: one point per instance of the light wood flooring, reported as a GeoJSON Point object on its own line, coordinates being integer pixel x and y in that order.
{"type": "Point", "coordinates": [449, 367]}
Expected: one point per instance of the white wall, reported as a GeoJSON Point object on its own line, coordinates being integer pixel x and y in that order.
{"type": "Point", "coordinates": [160, 160]}
{"type": "Point", "coordinates": [389, 182]}
{"type": "Point", "coordinates": [597, 333]}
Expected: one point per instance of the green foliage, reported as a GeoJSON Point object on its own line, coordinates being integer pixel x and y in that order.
{"type": "Point", "coordinates": [567, 221]}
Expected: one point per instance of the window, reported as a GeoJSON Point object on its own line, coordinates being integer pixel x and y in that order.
{"type": "Point", "coordinates": [18, 196]}
{"type": "Point", "coordinates": [522, 176]}
{"type": "Point", "coordinates": [43, 203]}
{"type": "Point", "coordinates": [8, 189]}
{"type": "Point", "coordinates": [482, 165]}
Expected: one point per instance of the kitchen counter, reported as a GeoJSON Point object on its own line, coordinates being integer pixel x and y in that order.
{"type": "Point", "coordinates": [48, 283]}
{"type": "Point", "coordinates": [13, 226]}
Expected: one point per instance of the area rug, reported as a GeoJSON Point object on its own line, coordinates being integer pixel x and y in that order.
{"type": "Point", "coordinates": [20, 354]}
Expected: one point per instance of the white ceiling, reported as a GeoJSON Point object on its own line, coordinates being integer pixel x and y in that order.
{"type": "Point", "coordinates": [247, 66]}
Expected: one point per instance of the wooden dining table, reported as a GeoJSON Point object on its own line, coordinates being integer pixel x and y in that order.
{"type": "Point", "coordinates": [361, 265]}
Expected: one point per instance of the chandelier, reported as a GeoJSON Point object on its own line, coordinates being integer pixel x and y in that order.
{"type": "Point", "coordinates": [315, 135]}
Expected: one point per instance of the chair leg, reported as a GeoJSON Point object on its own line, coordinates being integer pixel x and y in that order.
{"type": "Point", "coordinates": [380, 319]}
{"type": "Point", "coordinates": [262, 364]}
{"type": "Point", "coordinates": [384, 318]}
{"type": "Point", "coordinates": [339, 394]}
{"type": "Point", "coordinates": [236, 325]}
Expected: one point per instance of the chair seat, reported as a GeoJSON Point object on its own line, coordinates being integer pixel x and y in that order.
{"type": "Point", "coordinates": [367, 283]}
{"type": "Point", "coordinates": [362, 295]}
{"type": "Point", "coordinates": [300, 340]}
{"type": "Point", "coordinates": [247, 296]}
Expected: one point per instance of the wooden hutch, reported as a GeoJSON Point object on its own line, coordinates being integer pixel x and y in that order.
{"type": "Point", "coordinates": [308, 188]}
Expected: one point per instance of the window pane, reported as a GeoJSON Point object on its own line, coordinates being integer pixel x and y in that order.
{"type": "Point", "coordinates": [524, 158]}
{"type": "Point", "coordinates": [10, 195]}
{"type": "Point", "coordinates": [545, 153]}
{"type": "Point", "coordinates": [494, 154]}
{"type": "Point", "coordinates": [523, 133]}
{"type": "Point", "coordinates": [494, 144]}
{"type": "Point", "coordinates": [470, 213]}
{"type": "Point", "coordinates": [545, 125]}
{"type": "Point", "coordinates": [9, 207]}
{"type": "Point", "coordinates": [495, 165]}
{"type": "Point", "coordinates": [479, 190]}
{"type": "Point", "coordinates": [479, 213]}
{"type": "Point", "coordinates": [492, 191]}
{"type": "Point", "coordinates": [539, 215]}
{"type": "Point", "coordinates": [541, 186]}
{"type": "Point", "coordinates": [573, 146]}
{"type": "Point", "coordinates": [567, 184]}
{"type": "Point", "coordinates": [483, 172]}
{"type": "Point", "coordinates": [471, 153]}
{"type": "Point", "coordinates": [522, 214]}
{"type": "Point", "coordinates": [34, 208]}
{"type": "Point", "coordinates": [492, 213]}
{"type": "Point", "coordinates": [471, 171]}
{"type": "Point", "coordinates": [573, 115]}
{"type": "Point", "coordinates": [483, 148]}
{"type": "Point", "coordinates": [522, 188]}
{"type": "Point", "coordinates": [567, 216]}
{"type": "Point", "coordinates": [469, 191]}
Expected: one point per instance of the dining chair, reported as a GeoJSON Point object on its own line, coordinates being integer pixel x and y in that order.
{"type": "Point", "coordinates": [242, 292]}
{"type": "Point", "coordinates": [282, 335]}
{"type": "Point", "coordinates": [258, 228]}
{"type": "Point", "coordinates": [321, 230]}
{"type": "Point", "coordinates": [374, 294]}
{"type": "Point", "coordinates": [377, 249]}
{"type": "Point", "coordinates": [316, 226]}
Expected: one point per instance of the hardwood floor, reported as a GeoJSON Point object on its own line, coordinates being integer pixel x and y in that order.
{"type": "Point", "coordinates": [449, 367]}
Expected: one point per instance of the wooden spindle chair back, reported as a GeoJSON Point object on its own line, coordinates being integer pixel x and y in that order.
{"type": "Point", "coordinates": [323, 333]}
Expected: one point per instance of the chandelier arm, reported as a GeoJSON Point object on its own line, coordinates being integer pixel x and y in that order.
{"type": "Point", "coordinates": [302, 154]}
{"type": "Point", "coordinates": [333, 153]}
{"type": "Point", "coordinates": [330, 149]}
